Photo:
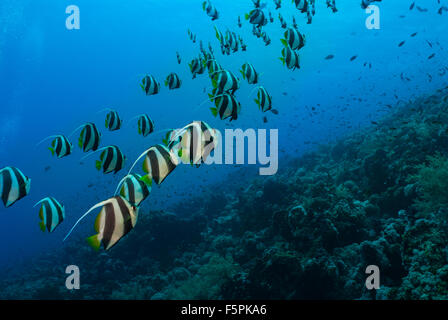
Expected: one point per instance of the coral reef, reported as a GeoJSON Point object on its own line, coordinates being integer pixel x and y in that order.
{"type": "Point", "coordinates": [377, 196]}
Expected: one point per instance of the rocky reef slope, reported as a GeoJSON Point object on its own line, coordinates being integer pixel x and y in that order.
{"type": "Point", "coordinates": [377, 197]}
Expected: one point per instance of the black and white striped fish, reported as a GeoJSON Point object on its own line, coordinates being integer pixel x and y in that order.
{"type": "Point", "coordinates": [212, 66]}
{"type": "Point", "coordinates": [192, 36]}
{"type": "Point", "coordinates": [113, 121]}
{"type": "Point", "coordinates": [282, 21]}
{"type": "Point", "coordinates": [249, 73]}
{"type": "Point", "coordinates": [159, 163]}
{"type": "Point", "coordinates": [111, 160]}
{"type": "Point", "coordinates": [332, 4]}
{"type": "Point", "coordinates": [60, 146]}
{"type": "Point", "coordinates": [257, 17]}
{"type": "Point", "coordinates": [89, 139]}
{"type": "Point", "coordinates": [210, 9]}
{"type": "Point", "coordinates": [116, 219]}
{"type": "Point", "coordinates": [194, 142]}
{"type": "Point", "coordinates": [294, 39]}
{"type": "Point", "coordinates": [264, 100]}
{"type": "Point", "coordinates": [134, 190]}
{"type": "Point", "coordinates": [196, 67]}
{"type": "Point", "coordinates": [173, 81]}
{"type": "Point", "coordinates": [14, 185]}
{"type": "Point", "coordinates": [266, 39]}
{"type": "Point", "coordinates": [290, 58]}
{"type": "Point", "coordinates": [301, 5]}
{"type": "Point", "coordinates": [51, 214]}
{"type": "Point", "coordinates": [243, 45]}
{"type": "Point", "coordinates": [224, 81]}
{"type": "Point", "coordinates": [278, 4]}
{"type": "Point", "coordinates": [150, 85]}
{"type": "Point", "coordinates": [294, 23]}
{"type": "Point", "coordinates": [226, 106]}
{"type": "Point", "coordinates": [232, 41]}
{"type": "Point", "coordinates": [366, 3]}
{"type": "Point", "coordinates": [145, 125]}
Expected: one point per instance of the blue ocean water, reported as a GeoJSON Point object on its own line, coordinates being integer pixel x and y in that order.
{"type": "Point", "coordinates": [52, 80]}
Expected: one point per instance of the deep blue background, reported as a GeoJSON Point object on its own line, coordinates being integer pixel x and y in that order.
{"type": "Point", "coordinates": [52, 80]}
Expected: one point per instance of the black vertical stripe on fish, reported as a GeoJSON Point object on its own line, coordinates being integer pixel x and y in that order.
{"type": "Point", "coordinates": [59, 209]}
{"type": "Point", "coordinates": [131, 190]}
{"type": "Point", "coordinates": [109, 224]}
{"type": "Point", "coordinates": [7, 185]}
{"type": "Point", "coordinates": [20, 182]}
{"type": "Point", "coordinates": [110, 152]}
{"type": "Point", "coordinates": [154, 163]}
{"type": "Point", "coordinates": [59, 143]}
{"type": "Point", "coordinates": [48, 215]}
{"type": "Point", "coordinates": [124, 211]}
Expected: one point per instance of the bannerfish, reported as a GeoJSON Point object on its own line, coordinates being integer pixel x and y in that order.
{"type": "Point", "coordinates": [212, 66]}
{"type": "Point", "coordinates": [226, 106]}
{"type": "Point", "coordinates": [290, 58]}
{"type": "Point", "coordinates": [294, 39]}
{"type": "Point", "coordinates": [196, 67]}
{"type": "Point", "coordinates": [263, 100]}
{"type": "Point", "coordinates": [116, 219]}
{"type": "Point", "coordinates": [89, 139]}
{"type": "Point", "coordinates": [366, 3]}
{"type": "Point", "coordinates": [150, 85]}
{"type": "Point", "coordinates": [133, 189]}
{"type": "Point", "coordinates": [60, 146]}
{"type": "Point", "coordinates": [179, 59]}
{"type": "Point", "coordinates": [278, 4]}
{"type": "Point", "coordinates": [173, 81]}
{"type": "Point", "coordinates": [193, 143]}
{"type": "Point", "coordinates": [282, 21]}
{"type": "Point", "coordinates": [14, 185]}
{"type": "Point", "coordinates": [332, 4]}
{"type": "Point", "coordinates": [210, 9]}
{"type": "Point", "coordinates": [113, 121]}
{"type": "Point", "coordinates": [243, 45]}
{"type": "Point", "coordinates": [145, 125]}
{"type": "Point", "coordinates": [257, 17]}
{"type": "Point", "coordinates": [111, 159]}
{"type": "Point", "coordinates": [301, 5]}
{"type": "Point", "coordinates": [249, 73]}
{"type": "Point", "coordinates": [158, 164]}
{"type": "Point", "coordinates": [224, 81]}
{"type": "Point", "coordinates": [51, 214]}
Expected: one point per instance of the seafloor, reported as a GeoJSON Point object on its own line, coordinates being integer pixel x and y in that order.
{"type": "Point", "coordinates": [378, 196]}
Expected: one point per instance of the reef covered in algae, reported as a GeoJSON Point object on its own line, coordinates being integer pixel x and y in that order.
{"type": "Point", "coordinates": [378, 196]}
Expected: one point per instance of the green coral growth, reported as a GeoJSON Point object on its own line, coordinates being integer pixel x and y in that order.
{"type": "Point", "coordinates": [432, 185]}
{"type": "Point", "coordinates": [207, 283]}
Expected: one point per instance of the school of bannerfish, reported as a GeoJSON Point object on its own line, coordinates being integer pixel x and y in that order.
{"type": "Point", "coordinates": [191, 144]}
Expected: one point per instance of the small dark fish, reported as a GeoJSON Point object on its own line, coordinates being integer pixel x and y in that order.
{"type": "Point", "coordinates": [401, 43]}
{"type": "Point", "coordinates": [285, 93]}
{"type": "Point", "coordinates": [47, 168]}
{"type": "Point", "coordinates": [412, 6]}
{"type": "Point", "coordinates": [274, 111]}
{"type": "Point", "coordinates": [422, 9]}
{"type": "Point", "coordinates": [440, 11]}
{"type": "Point", "coordinates": [429, 43]}
{"type": "Point", "coordinates": [329, 57]}
{"type": "Point", "coordinates": [431, 56]}
{"type": "Point", "coordinates": [374, 122]}
{"type": "Point", "coordinates": [265, 119]}
{"type": "Point", "coordinates": [353, 58]}
{"type": "Point", "coordinates": [414, 34]}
